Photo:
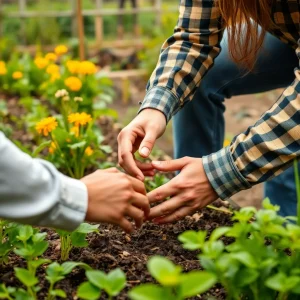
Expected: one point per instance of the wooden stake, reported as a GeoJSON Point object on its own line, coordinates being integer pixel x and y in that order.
{"type": "Point", "coordinates": [80, 30]}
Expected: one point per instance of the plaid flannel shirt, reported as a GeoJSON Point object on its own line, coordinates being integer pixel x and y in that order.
{"type": "Point", "coordinates": [265, 149]}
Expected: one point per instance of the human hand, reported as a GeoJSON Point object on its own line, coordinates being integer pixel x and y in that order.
{"type": "Point", "coordinates": [189, 191]}
{"type": "Point", "coordinates": [140, 134]}
{"type": "Point", "coordinates": [113, 196]}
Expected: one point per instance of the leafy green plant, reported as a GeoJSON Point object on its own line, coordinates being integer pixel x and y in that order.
{"type": "Point", "coordinates": [76, 238]}
{"type": "Point", "coordinates": [255, 265]}
{"type": "Point", "coordinates": [56, 272]}
{"type": "Point", "coordinates": [112, 283]}
{"type": "Point", "coordinates": [174, 284]}
{"type": "Point", "coordinates": [157, 181]}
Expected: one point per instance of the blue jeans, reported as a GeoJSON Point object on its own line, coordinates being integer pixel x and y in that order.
{"type": "Point", "coordinates": [199, 126]}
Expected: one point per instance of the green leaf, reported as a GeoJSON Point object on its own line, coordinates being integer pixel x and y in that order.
{"type": "Point", "coordinates": [147, 291]}
{"type": "Point", "coordinates": [40, 148]}
{"type": "Point", "coordinates": [88, 291]}
{"type": "Point", "coordinates": [105, 148]}
{"type": "Point", "coordinates": [78, 239]}
{"type": "Point", "coordinates": [282, 283]}
{"type": "Point", "coordinates": [40, 248]}
{"type": "Point", "coordinates": [26, 277]}
{"type": "Point", "coordinates": [219, 232]}
{"type": "Point", "coordinates": [25, 233]}
{"type": "Point", "coordinates": [117, 281]}
{"type": "Point", "coordinates": [59, 293]}
{"type": "Point", "coordinates": [67, 267]}
{"type": "Point", "coordinates": [246, 276]}
{"type": "Point", "coordinates": [245, 258]}
{"type": "Point", "coordinates": [87, 228]}
{"type": "Point", "coordinates": [97, 278]}
{"type": "Point", "coordinates": [196, 282]}
{"type": "Point", "coordinates": [192, 240]}
{"type": "Point", "coordinates": [61, 136]}
{"type": "Point", "coordinates": [39, 237]}
{"type": "Point", "coordinates": [164, 271]}
{"type": "Point", "coordinates": [77, 145]}
{"type": "Point", "coordinates": [36, 263]}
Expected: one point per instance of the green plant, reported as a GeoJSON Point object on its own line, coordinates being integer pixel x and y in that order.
{"type": "Point", "coordinates": [76, 238]}
{"type": "Point", "coordinates": [256, 264]}
{"type": "Point", "coordinates": [112, 283]}
{"type": "Point", "coordinates": [174, 284]}
{"type": "Point", "coordinates": [157, 181]}
{"type": "Point", "coordinates": [56, 272]}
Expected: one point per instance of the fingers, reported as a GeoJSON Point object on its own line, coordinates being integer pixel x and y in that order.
{"type": "Point", "coordinates": [126, 225]}
{"type": "Point", "coordinates": [166, 208]}
{"type": "Point", "coordinates": [126, 155]}
{"type": "Point", "coordinates": [146, 168]}
{"type": "Point", "coordinates": [137, 215]}
{"type": "Point", "coordinates": [142, 203]}
{"type": "Point", "coordinates": [174, 216]}
{"type": "Point", "coordinates": [137, 185]}
{"type": "Point", "coordinates": [170, 165]}
{"type": "Point", "coordinates": [147, 143]}
{"type": "Point", "coordinates": [162, 192]}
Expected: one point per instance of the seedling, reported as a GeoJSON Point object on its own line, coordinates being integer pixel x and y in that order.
{"type": "Point", "coordinates": [112, 283]}
{"type": "Point", "coordinates": [173, 283]}
{"type": "Point", "coordinates": [76, 238]}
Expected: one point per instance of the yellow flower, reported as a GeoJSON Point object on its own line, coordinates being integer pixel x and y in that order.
{"type": "Point", "coordinates": [87, 68]}
{"type": "Point", "coordinates": [41, 62]}
{"type": "Point", "coordinates": [17, 75]}
{"type": "Point", "coordinates": [75, 130]}
{"type": "Point", "coordinates": [73, 66]}
{"type": "Point", "coordinates": [79, 118]}
{"type": "Point", "coordinates": [61, 49]}
{"type": "Point", "coordinates": [3, 69]}
{"type": "Point", "coordinates": [51, 56]}
{"type": "Point", "coordinates": [226, 143]}
{"type": "Point", "coordinates": [52, 148]}
{"type": "Point", "coordinates": [54, 77]}
{"type": "Point", "coordinates": [52, 69]}
{"type": "Point", "coordinates": [88, 151]}
{"type": "Point", "coordinates": [46, 125]}
{"type": "Point", "coordinates": [73, 83]}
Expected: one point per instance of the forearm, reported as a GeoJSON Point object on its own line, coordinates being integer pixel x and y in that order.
{"type": "Point", "coordinates": [263, 151]}
{"type": "Point", "coordinates": [185, 57]}
{"type": "Point", "coordinates": [32, 191]}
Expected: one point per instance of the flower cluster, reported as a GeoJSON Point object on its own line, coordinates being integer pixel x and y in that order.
{"type": "Point", "coordinates": [82, 68]}
{"type": "Point", "coordinates": [79, 119]}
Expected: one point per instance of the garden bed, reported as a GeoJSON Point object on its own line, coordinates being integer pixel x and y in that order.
{"type": "Point", "coordinates": [113, 248]}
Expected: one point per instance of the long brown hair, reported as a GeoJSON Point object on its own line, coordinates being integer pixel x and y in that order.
{"type": "Point", "coordinates": [242, 19]}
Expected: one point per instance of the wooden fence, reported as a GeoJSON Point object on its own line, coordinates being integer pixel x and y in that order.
{"type": "Point", "coordinates": [98, 13]}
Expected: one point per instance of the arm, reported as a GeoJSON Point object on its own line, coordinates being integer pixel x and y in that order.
{"type": "Point", "coordinates": [185, 57]}
{"type": "Point", "coordinates": [32, 191]}
{"type": "Point", "coordinates": [263, 151]}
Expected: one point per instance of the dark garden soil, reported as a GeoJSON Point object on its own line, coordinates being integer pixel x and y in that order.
{"type": "Point", "coordinates": [114, 249]}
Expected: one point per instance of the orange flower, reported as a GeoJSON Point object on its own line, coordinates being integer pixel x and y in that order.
{"type": "Point", "coordinates": [60, 50]}
{"type": "Point", "coordinates": [88, 151]}
{"type": "Point", "coordinates": [46, 125]}
{"type": "Point", "coordinates": [41, 62]}
{"type": "Point", "coordinates": [73, 66]}
{"type": "Point", "coordinates": [51, 56]}
{"type": "Point", "coordinates": [52, 69]}
{"type": "Point", "coordinates": [79, 118]}
{"type": "Point", "coordinates": [73, 83]}
{"type": "Point", "coordinates": [87, 68]}
{"type": "Point", "coordinates": [17, 75]}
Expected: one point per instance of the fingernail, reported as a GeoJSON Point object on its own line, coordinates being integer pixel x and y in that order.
{"type": "Point", "coordinates": [145, 151]}
{"type": "Point", "coordinates": [156, 162]}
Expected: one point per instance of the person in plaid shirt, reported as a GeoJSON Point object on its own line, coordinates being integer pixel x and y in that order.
{"type": "Point", "coordinates": [259, 35]}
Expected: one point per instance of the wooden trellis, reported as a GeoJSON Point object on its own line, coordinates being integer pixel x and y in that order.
{"type": "Point", "coordinates": [98, 12]}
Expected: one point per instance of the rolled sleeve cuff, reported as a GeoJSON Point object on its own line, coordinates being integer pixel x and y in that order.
{"type": "Point", "coordinates": [163, 100]}
{"type": "Point", "coordinates": [223, 174]}
{"type": "Point", "coordinates": [72, 207]}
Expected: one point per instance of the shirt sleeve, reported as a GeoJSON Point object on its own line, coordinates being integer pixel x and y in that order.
{"type": "Point", "coordinates": [261, 152]}
{"type": "Point", "coordinates": [32, 191]}
{"type": "Point", "coordinates": [185, 57]}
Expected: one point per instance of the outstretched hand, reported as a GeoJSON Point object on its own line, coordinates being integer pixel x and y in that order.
{"type": "Point", "coordinates": [189, 191]}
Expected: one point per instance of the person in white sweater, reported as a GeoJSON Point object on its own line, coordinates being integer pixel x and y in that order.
{"type": "Point", "coordinates": [33, 191]}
